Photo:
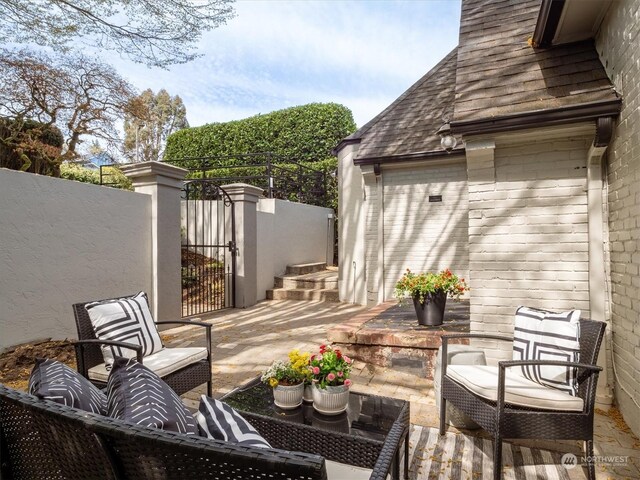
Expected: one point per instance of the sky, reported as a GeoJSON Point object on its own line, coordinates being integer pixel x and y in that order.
{"type": "Point", "coordinates": [276, 54]}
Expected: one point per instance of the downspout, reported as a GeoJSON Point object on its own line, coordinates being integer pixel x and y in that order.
{"type": "Point", "coordinates": [597, 266]}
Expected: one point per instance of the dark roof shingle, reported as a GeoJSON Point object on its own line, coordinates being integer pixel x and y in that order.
{"type": "Point", "coordinates": [411, 122]}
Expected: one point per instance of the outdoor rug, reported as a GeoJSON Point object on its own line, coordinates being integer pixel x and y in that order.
{"type": "Point", "coordinates": [458, 456]}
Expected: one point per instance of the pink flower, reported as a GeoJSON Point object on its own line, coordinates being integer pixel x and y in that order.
{"type": "Point", "coordinates": [347, 359]}
{"type": "Point", "coordinates": [319, 357]}
{"type": "Point", "coordinates": [347, 383]}
{"type": "Point", "coordinates": [316, 370]}
{"type": "Point", "coordinates": [331, 377]}
{"type": "Point", "coordinates": [340, 374]}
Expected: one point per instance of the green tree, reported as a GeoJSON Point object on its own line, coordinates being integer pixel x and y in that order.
{"type": "Point", "coordinates": [30, 146]}
{"type": "Point", "coordinates": [153, 32]}
{"type": "Point", "coordinates": [156, 117]}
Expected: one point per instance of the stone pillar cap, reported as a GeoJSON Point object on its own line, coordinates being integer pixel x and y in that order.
{"type": "Point", "coordinates": [144, 169]}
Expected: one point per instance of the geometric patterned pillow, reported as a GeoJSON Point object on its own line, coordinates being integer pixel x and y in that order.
{"type": "Point", "coordinates": [218, 420]}
{"type": "Point", "coordinates": [137, 395]}
{"type": "Point", "coordinates": [52, 380]}
{"type": "Point", "coordinates": [124, 320]}
{"type": "Point", "coordinates": [542, 335]}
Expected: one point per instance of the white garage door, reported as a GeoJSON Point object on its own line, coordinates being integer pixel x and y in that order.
{"type": "Point", "coordinates": [420, 234]}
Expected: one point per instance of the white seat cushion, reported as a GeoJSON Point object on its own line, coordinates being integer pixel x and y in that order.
{"type": "Point", "coordinates": [162, 363]}
{"type": "Point", "coordinates": [342, 471]}
{"type": "Point", "coordinates": [483, 381]}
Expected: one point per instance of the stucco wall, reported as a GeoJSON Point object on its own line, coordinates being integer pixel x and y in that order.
{"type": "Point", "coordinates": [290, 233]}
{"type": "Point", "coordinates": [351, 228]}
{"type": "Point", "coordinates": [617, 43]}
{"type": "Point", "coordinates": [528, 234]}
{"type": "Point", "coordinates": [63, 242]}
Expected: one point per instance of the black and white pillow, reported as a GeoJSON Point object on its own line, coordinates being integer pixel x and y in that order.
{"type": "Point", "coordinates": [124, 320]}
{"type": "Point", "coordinates": [543, 335]}
{"type": "Point", "coordinates": [55, 381]}
{"type": "Point", "coordinates": [137, 395]}
{"type": "Point", "coordinates": [218, 420]}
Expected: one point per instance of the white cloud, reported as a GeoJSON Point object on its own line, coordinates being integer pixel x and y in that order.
{"type": "Point", "coordinates": [276, 54]}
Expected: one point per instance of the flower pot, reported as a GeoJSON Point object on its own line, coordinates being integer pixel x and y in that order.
{"type": "Point", "coordinates": [307, 396]}
{"type": "Point", "coordinates": [330, 400]}
{"type": "Point", "coordinates": [431, 312]}
{"type": "Point", "coordinates": [288, 397]}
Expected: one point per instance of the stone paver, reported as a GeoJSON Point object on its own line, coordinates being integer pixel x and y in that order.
{"type": "Point", "coordinates": [246, 341]}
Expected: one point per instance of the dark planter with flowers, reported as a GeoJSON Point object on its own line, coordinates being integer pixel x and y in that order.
{"type": "Point", "coordinates": [429, 292]}
{"type": "Point", "coordinates": [431, 312]}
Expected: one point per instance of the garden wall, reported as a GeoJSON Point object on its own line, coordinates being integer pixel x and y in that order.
{"type": "Point", "coordinates": [63, 242]}
{"type": "Point", "coordinates": [290, 233]}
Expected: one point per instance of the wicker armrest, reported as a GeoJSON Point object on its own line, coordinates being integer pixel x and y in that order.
{"type": "Point", "coordinates": [80, 344]}
{"type": "Point", "coordinates": [559, 363]}
{"type": "Point", "coordinates": [206, 326]}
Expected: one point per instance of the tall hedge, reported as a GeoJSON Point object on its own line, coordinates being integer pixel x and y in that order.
{"type": "Point", "coordinates": [304, 133]}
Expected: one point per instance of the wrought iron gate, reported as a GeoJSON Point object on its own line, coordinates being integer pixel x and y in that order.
{"type": "Point", "coordinates": [208, 248]}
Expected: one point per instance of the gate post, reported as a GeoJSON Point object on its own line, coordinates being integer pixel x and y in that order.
{"type": "Point", "coordinates": [164, 183]}
{"type": "Point", "coordinates": [245, 203]}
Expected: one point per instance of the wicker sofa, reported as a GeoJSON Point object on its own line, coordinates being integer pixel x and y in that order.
{"type": "Point", "coordinates": [41, 439]}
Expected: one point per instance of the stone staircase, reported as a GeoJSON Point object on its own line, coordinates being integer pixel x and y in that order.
{"type": "Point", "coordinates": [310, 281]}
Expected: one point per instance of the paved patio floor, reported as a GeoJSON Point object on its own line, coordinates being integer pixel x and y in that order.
{"type": "Point", "coordinates": [246, 341]}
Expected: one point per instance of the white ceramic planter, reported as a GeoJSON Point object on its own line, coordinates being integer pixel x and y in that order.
{"type": "Point", "coordinates": [330, 400]}
{"type": "Point", "coordinates": [288, 397]}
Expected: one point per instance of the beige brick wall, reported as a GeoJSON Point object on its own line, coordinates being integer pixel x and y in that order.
{"type": "Point", "coordinates": [618, 43]}
{"type": "Point", "coordinates": [527, 233]}
{"type": "Point", "coordinates": [371, 241]}
{"type": "Point", "coordinates": [420, 235]}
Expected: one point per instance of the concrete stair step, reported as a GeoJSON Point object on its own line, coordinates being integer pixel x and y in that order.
{"type": "Point", "coordinates": [326, 279]}
{"type": "Point", "coordinates": [304, 268]}
{"type": "Point", "coordinates": [326, 295]}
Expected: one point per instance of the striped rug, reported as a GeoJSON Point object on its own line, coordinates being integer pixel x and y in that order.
{"type": "Point", "coordinates": [458, 456]}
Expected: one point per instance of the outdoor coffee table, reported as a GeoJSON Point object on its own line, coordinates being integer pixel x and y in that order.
{"type": "Point", "coordinates": [369, 433]}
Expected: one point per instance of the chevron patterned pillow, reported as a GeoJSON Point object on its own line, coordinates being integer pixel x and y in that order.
{"type": "Point", "coordinates": [543, 335]}
{"type": "Point", "coordinates": [52, 380]}
{"type": "Point", "coordinates": [218, 420]}
{"type": "Point", "coordinates": [137, 395]}
{"type": "Point", "coordinates": [124, 320]}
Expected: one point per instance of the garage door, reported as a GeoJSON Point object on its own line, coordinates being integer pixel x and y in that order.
{"type": "Point", "coordinates": [426, 222]}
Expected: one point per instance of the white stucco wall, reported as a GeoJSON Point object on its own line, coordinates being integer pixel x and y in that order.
{"type": "Point", "coordinates": [290, 233]}
{"type": "Point", "coordinates": [617, 43]}
{"type": "Point", "coordinates": [351, 229]}
{"type": "Point", "coordinates": [63, 242]}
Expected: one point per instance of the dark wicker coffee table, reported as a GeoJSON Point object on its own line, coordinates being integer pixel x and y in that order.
{"type": "Point", "coordinates": [369, 434]}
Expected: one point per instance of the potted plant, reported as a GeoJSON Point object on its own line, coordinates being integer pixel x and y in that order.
{"type": "Point", "coordinates": [287, 383]}
{"type": "Point", "coordinates": [330, 371]}
{"type": "Point", "coordinates": [429, 292]}
{"type": "Point", "coordinates": [300, 362]}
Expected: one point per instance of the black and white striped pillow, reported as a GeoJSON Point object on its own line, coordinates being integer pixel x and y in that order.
{"type": "Point", "coordinates": [124, 320]}
{"type": "Point", "coordinates": [218, 420]}
{"type": "Point", "coordinates": [55, 381]}
{"type": "Point", "coordinates": [137, 395]}
{"type": "Point", "coordinates": [543, 335]}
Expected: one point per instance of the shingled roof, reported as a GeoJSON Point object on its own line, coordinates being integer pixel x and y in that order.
{"type": "Point", "coordinates": [410, 124]}
{"type": "Point", "coordinates": [494, 80]}
{"type": "Point", "coordinates": [499, 73]}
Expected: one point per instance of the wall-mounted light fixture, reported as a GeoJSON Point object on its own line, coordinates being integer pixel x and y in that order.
{"type": "Point", "coordinates": [447, 140]}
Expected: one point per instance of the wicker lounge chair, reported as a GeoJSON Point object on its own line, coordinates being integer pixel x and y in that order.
{"type": "Point", "coordinates": [40, 439]}
{"type": "Point", "coordinates": [510, 421]}
{"type": "Point", "coordinates": [189, 375]}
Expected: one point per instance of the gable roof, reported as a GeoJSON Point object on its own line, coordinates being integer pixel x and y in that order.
{"type": "Point", "coordinates": [493, 81]}
{"type": "Point", "coordinates": [410, 124]}
{"type": "Point", "coordinates": [499, 74]}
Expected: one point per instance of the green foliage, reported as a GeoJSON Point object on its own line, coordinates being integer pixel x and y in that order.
{"type": "Point", "coordinates": [422, 284]}
{"type": "Point", "coordinates": [304, 133]}
{"type": "Point", "coordinates": [30, 146]}
{"type": "Point", "coordinates": [114, 176]}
